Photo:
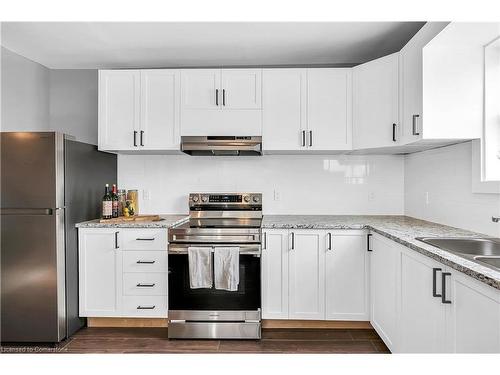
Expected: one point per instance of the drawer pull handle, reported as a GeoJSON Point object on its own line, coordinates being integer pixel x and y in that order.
{"type": "Point", "coordinates": [145, 307]}
{"type": "Point", "coordinates": [145, 262]}
{"type": "Point", "coordinates": [140, 285]}
{"type": "Point", "coordinates": [144, 239]}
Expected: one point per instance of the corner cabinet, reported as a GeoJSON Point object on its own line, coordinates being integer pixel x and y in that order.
{"type": "Point", "coordinates": [314, 275]}
{"type": "Point", "coordinates": [307, 109]}
{"type": "Point", "coordinates": [122, 272]}
{"type": "Point", "coordinates": [221, 102]}
{"type": "Point", "coordinates": [139, 110]}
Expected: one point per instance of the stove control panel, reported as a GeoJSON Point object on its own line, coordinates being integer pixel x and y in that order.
{"type": "Point", "coordinates": [248, 199]}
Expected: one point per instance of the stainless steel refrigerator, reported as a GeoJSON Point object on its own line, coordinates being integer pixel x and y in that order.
{"type": "Point", "coordinates": [49, 182]}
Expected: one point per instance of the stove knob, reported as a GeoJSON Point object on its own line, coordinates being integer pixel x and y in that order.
{"type": "Point", "coordinates": [204, 198]}
{"type": "Point", "coordinates": [196, 198]}
{"type": "Point", "coordinates": [256, 199]}
{"type": "Point", "coordinates": [246, 198]}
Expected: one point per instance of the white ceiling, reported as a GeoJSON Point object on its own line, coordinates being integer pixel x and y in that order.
{"type": "Point", "coordinates": [90, 45]}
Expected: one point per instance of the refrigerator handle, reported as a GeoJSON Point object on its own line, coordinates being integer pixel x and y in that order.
{"type": "Point", "coordinates": [30, 211]}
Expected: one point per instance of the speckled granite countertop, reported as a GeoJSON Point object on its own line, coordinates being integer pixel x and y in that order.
{"type": "Point", "coordinates": [166, 222]}
{"type": "Point", "coordinates": [401, 229]}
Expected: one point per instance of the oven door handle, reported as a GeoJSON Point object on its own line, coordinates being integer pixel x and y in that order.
{"type": "Point", "coordinates": [180, 250]}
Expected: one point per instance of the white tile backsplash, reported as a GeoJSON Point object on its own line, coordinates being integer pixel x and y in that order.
{"type": "Point", "coordinates": [446, 175]}
{"type": "Point", "coordinates": [304, 184]}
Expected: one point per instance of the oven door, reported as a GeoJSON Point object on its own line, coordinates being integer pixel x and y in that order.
{"type": "Point", "coordinates": [182, 297]}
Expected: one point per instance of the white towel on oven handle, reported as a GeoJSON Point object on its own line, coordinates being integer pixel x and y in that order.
{"type": "Point", "coordinates": [200, 267]}
{"type": "Point", "coordinates": [227, 268]}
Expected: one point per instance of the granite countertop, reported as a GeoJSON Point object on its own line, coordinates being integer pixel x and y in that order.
{"type": "Point", "coordinates": [167, 221]}
{"type": "Point", "coordinates": [401, 229]}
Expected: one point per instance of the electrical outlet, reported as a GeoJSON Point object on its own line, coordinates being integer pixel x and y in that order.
{"type": "Point", "coordinates": [426, 197]}
{"type": "Point", "coordinates": [277, 195]}
{"type": "Point", "coordinates": [371, 196]}
{"type": "Point", "coordinates": [146, 195]}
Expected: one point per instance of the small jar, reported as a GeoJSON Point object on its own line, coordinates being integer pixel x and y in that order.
{"type": "Point", "coordinates": [122, 198]}
{"type": "Point", "coordinates": [133, 197]}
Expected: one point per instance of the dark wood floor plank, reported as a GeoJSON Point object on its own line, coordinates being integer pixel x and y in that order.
{"type": "Point", "coordinates": [306, 334]}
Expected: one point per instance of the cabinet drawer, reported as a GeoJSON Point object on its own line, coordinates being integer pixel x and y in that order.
{"type": "Point", "coordinates": [145, 284]}
{"type": "Point", "coordinates": [144, 239]}
{"type": "Point", "coordinates": [145, 261]}
{"type": "Point", "coordinates": [145, 306]}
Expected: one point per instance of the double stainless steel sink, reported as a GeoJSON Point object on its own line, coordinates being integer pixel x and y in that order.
{"type": "Point", "coordinates": [485, 251]}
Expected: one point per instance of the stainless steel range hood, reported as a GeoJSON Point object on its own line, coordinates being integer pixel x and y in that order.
{"type": "Point", "coordinates": [221, 146]}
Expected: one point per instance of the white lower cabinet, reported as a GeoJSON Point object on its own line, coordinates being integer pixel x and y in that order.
{"type": "Point", "coordinates": [123, 272]}
{"type": "Point", "coordinates": [384, 270]}
{"type": "Point", "coordinates": [413, 313]}
{"type": "Point", "coordinates": [314, 275]}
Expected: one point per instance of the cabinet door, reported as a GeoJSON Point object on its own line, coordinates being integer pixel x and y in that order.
{"type": "Point", "coordinates": [284, 109]}
{"type": "Point", "coordinates": [346, 277]}
{"type": "Point", "coordinates": [275, 274]}
{"type": "Point", "coordinates": [411, 66]}
{"type": "Point", "coordinates": [160, 94]}
{"type": "Point", "coordinates": [201, 89]}
{"type": "Point", "coordinates": [307, 274]}
{"type": "Point", "coordinates": [375, 103]}
{"type": "Point", "coordinates": [473, 319]}
{"type": "Point", "coordinates": [329, 108]}
{"type": "Point", "coordinates": [422, 316]}
{"type": "Point", "coordinates": [384, 260]}
{"type": "Point", "coordinates": [241, 88]}
{"type": "Point", "coordinates": [119, 107]}
{"type": "Point", "coordinates": [100, 273]}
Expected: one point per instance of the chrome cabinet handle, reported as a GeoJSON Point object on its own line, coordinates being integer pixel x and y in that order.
{"type": "Point", "coordinates": [310, 138]}
{"type": "Point", "coordinates": [145, 262]}
{"type": "Point", "coordinates": [264, 245]}
{"type": "Point", "coordinates": [329, 241]}
{"type": "Point", "coordinates": [140, 285]}
{"type": "Point", "coordinates": [116, 240]}
{"type": "Point", "coordinates": [223, 97]}
{"type": "Point", "coordinates": [144, 239]}
{"type": "Point", "coordinates": [394, 132]}
{"type": "Point", "coordinates": [434, 282]}
{"type": "Point", "coordinates": [443, 287]}
{"type": "Point", "coordinates": [142, 133]}
{"type": "Point", "coordinates": [135, 138]}
{"type": "Point", "coordinates": [414, 124]}
{"type": "Point", "coordinates": [145, 307]}
{"type": "Point", "coordinates": [216, 97]}
{"type": "Point", "coordinates": [303, 138]}
{"type": "Point", "coordinates": [293, 241]}
{"type": "Point", "coordinates": [368, 236]}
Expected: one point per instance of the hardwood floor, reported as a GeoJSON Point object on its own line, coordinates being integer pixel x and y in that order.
{"type": "Point", "coordinates": [154, 340]}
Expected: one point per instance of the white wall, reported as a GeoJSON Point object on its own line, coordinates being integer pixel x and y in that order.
{"type": "Point", "coordinates": [306, 184]}
{"type": "Point", "coordinates": [73, 103]}
{"type": "Point", "coordinates": [25, 93]}
{"type": "Point", "coordinates": [445, 174]}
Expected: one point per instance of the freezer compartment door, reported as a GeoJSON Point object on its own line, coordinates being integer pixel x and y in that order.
{"type": "Point", "coordinates": [32, 170]}
{"type": "Point", "coordinates": [32, 276]}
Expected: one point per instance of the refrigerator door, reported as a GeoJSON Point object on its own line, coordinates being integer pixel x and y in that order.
{"type": "Point", "coordinates": [32, 276]}
{"type": "Point", "coordinates": [32, 170]}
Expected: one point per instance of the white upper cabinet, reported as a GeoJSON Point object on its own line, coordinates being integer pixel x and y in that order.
{"type": "Point", "coordinates": [346, 276]}
{"type": "Point", "coordinates": [307, 109]}
{"type": "Point", "coordinates": [306, 274]}
{"type": "Point", "coordinates": [275, 274]}
{"type": "Point", "coordinates": [119, 109]}
{"type": "Point", "coordinates": [241, 88]}
{"type": "Point", "coordinates": [139, 110]}
{"type": "Point", "coordinates": [200, 89]}
{"type": "Point", "coordinates": [376, 103]}
{"type": "Point", "coordinates": [160, 110]}
{"type": "Point", "coordinates": [284, 109]}
{"type": "Point", "coordinates": [221, 102]}
{"type": "Point", "coordinates": [329, 109]}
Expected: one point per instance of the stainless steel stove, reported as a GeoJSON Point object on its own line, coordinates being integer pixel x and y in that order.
{"type": "Point", "coordinates": [221, 219]}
